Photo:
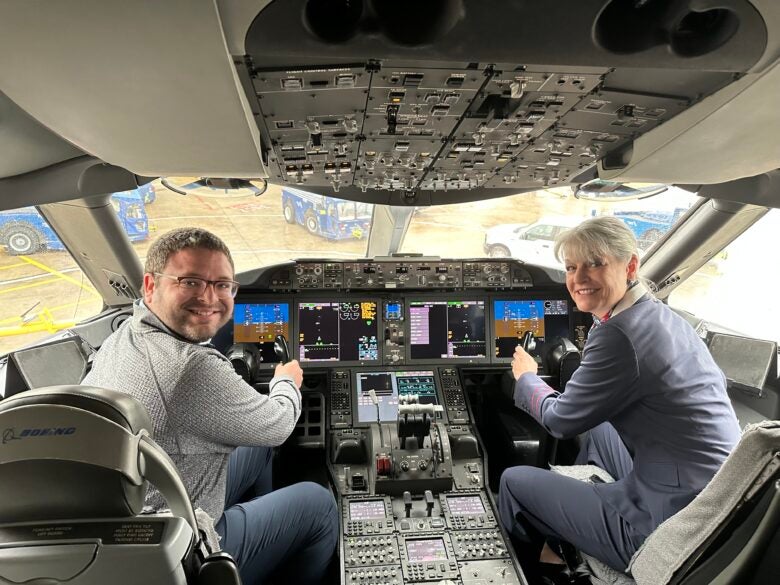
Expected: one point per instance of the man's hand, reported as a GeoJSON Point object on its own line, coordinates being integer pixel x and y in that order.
{"type": "Point", "coordinates": [522, 363]}
{"type": "Point", "coordinates": [291, 369]}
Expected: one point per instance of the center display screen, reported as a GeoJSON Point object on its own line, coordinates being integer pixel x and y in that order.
{"type": "Point", "coordinates": [388, 386]}
{"type": "Point", "coordinates": [447, 329]}
{"type": "Point", "coordinates": [338, 331]}
{"type": "Point", "coordinates": [260, 323]}
{"type": "Point", "coordinates": [465, 505]}
{"type": "Point", "coordinates": [426, 549]}
{"type": "Point", "coordinates": [367, 510]}
{"type": "Point", "coordinates": [545, 319]}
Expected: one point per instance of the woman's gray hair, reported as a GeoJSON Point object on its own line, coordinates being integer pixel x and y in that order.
{"type": "Point", "coordinates": [180, 239]}
{"type": "Point", "coordinates": [596, 238]}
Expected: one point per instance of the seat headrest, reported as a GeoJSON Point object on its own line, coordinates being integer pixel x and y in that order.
{"type": "Point", "coordinates": [115, 406]}
{"type": "Point", "coordinates": [70, 452]}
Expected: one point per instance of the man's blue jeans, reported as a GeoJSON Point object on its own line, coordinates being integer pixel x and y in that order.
{"type": "Point", "coordinates": [288, 534]}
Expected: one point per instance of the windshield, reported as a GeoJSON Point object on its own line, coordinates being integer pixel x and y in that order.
{"type": "Point", "coordinates": [525, 226]}
{"type": "Point", "coordinates": [285, 223]}
{"type": "Point", "coordinates": [737, 288]}
{"type": "Point", "coordinates": [279, 225]}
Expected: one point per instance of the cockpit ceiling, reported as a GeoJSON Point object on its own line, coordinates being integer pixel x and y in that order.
{"type": "Point", "coordinates": [422, 102]}
{"type": "Point", "coordinates": [497, 105]}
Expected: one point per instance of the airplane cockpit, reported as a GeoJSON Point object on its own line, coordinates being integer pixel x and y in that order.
{"type": "Point", "coordinates": [390, 178]}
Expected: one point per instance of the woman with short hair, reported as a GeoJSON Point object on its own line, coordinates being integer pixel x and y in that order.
{"type": "Point", "coordinates": [647, 392]}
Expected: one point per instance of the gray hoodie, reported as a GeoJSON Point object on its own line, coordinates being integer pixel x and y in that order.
{"type": "Point", "coordinates": [200, 408]}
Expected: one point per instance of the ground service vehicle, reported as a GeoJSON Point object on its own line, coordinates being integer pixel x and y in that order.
{"type": "Point", "coordinates": [530, 243]}
{"type": "Point", "coordinates": [24, 231]}
{"type": "Point", "coordinates": [450, 117]}
{"type": "Point", "coordinates": [649, 226]}
{"type": "Point", "coordinates": [329, 217]}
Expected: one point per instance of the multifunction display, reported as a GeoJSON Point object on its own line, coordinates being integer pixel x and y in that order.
{"type": "Point", "coordinates": [447, 329]}
{"type": "Point", "coordinates": [338, 331]}
{"type": "Point", "coordinates": [367, 510]}
{"type": "Point", "coordinates": [426, 549]}
{"type": "Point", "coordinates": [545, 319]}
{"type": "Point", "coordinates": [465, 505]}
{"type": "Point", "coordinates": [387, 387]}
{"type": "Point", "coordinates": [260, 323]}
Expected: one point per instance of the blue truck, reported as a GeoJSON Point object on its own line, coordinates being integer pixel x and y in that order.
{"type": "Point", "coordinates": [24, 231]}
{"type": "Point", "coordinates": [328, 217]}
{"type": "Point", "coordinates": [649, 226]}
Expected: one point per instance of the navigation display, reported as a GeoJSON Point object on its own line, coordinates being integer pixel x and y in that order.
{"type": "Point", "coordinates": [338, 331]}
{"type": "Point", "coordinates": [545, 319]}
{"type": "Point", "coordinates": [465, 505]}
{"type": "Point", "coordinates": [388, 386]}
{"type": "Point", "coordinates": [367, 510]}
{"type": "Point", "coordinates": [426, 549]}
{"type": "Point", "coordinates": [260, 323]}
{"type": "Point", "coordinates": [447, 329]}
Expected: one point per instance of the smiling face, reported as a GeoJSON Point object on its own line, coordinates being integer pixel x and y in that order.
{"type": "Point", "coordinates": [196, 317]}
{"type": "Point", "coordinates": [597, 285]}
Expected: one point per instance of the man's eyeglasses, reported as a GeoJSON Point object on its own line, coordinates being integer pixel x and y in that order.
{"type": "Point", "coordinates": [197, 286]}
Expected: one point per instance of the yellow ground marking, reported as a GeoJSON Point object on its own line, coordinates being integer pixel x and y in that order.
{"type": "Point", "coordinates": [17, 265]}
{"type": "Point", "coordinates": [52, 309]}
{"type": "Point", "coordinates": [34, 284]}
{"type": "Point", "coordinates": [59, 274]}
{"type": "Point", "coordinates": [44, 321]}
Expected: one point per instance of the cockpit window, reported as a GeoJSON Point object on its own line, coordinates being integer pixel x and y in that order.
{"type": "Point", "coordinates": [524, 226]}
{"type": "Point", "coordinates": [279, 225]}
{"type": "Point", "coordinates": [738, 287]}
{"type": "Point", "coordinates": [42, 290]}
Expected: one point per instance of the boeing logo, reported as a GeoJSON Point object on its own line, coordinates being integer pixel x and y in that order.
{"type": "Point", "coordinates": [10, 434]}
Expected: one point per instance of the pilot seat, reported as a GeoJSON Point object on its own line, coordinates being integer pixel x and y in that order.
{"type": "Point", "coordinates": [75, 463]}
{"type": "Point", "coordinates": [729, 534]}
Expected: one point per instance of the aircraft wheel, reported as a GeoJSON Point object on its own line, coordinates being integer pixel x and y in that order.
{"type": "Point", "coordinates": [22, 239]}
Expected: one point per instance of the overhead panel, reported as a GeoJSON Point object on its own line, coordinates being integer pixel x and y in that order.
{"type": "Point", "coordinates": [312, 117]}
{"type": "Point", "coordinates": [435, 104]}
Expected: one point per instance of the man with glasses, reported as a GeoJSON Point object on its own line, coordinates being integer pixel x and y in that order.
{"type": "Point", "coordinates": [218, 429]}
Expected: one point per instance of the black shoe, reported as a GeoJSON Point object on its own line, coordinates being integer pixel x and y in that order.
{"type": "Point", "coordinates": [553, 574]}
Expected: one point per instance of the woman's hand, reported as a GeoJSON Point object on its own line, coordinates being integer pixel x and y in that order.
{"type": "Point", "coordinates": [522, 363]}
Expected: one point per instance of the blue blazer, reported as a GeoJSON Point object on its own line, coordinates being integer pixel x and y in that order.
{"type": "Point", "coordinates": [647, 372]}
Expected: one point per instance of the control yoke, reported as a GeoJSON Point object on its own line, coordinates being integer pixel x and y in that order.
{"type": "Point", "coordinates": [282, 349]}
{"type": "Point", "coordinates": [528, 342]}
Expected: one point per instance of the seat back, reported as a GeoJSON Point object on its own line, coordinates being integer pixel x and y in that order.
{"type": "Point", "coordinates": [729, 533]}
{"type": "Point", "coordinates": [74, 465]}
